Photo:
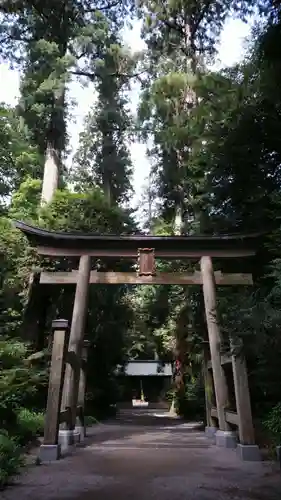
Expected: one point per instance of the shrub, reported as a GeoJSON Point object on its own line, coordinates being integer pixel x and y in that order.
{"type": "Point", "coordinates": [19, 382]}
{"type": "Point", "coordinates": [90, 420]}
{"type": "Point", "coordinates": [273, 423]}
{"type": "Point", "coordinates": [30, 425]}
{"type": "Point", "coordinates": [10, 458]}
{"type": "Point", "coordinates": [190, 403]}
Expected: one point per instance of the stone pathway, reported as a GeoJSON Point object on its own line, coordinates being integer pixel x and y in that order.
{"type": "Point", "coordinates": [145, 457]}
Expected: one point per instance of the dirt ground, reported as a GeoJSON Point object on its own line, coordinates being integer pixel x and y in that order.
{"type": "Point", "coordinates": [148, 457]}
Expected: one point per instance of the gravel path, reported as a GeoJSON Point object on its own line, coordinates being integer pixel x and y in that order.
{"type": "Point", "coordinates": [147, 458]}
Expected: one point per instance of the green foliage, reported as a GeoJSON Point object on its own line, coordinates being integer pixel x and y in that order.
{"type": "Point", "coordinates": [90, 420]}
{"type": "Point", "coordinates": [86, 212]}
{"type": "Point", "coordinates": [16, 262]}
{"type": "Point", "coordinates": [103, 158]}
{"type": "Point", "coordinates": [192, 405]}
{"type": "Point", "coordinates": [10, 458]}
{"type": "Point", "coordinates": [273, 422]}
{"type": "Point", "coordinates": [26, 199]}
{"type": "Point", "coordinates": [18, 157]}
{"type": "Point", "coordinates": [52, 43]}
{"type": "Point", "coordinates": [182, 27]}
{"type": "Point", "coordinates": [19, 382]}
{"type": "Point", "coordinates": [30, 424]}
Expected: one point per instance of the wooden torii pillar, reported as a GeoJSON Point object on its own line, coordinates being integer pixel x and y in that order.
{"type": "Point", "coordinates": [50, 449]}
{"type": "Point", "coordinates": [67, 435]}
{"type": "Point", "coordinates": [211, 425]}
{"type": "Point", "coordinates": [80, 426]}
{"type": "Point", "coordinates": [224, 437]}
{"type": "Point", "coordinates": [247, 448]}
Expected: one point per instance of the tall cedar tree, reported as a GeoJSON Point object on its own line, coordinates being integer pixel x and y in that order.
{"type": "Point", "coordinates": [103, 158]}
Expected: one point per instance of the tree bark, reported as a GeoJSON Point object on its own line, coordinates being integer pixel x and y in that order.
{"type": "Point", "coordinates": [51, 174]}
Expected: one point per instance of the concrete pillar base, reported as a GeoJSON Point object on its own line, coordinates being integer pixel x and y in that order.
{"type": "Point", "coordinates": [226, 439]}
{"type": "Point", "coordinates": [49, 452]}
{"type": "Point", "coordinates": [79, 429]}
{"type": "Point", "coordinates": [249, 452]}
{"type": "Point", "coordinates": [68, 438]}
{"type": "Point", "coordinates": [210, 432]}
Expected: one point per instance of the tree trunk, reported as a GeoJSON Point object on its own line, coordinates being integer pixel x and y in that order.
{"type": "Point", "coordinates": [172, 410]}
{"type": "Point", "coordinates": [54, 148]}
{"type": "Point", "coordinates": [51, 174]}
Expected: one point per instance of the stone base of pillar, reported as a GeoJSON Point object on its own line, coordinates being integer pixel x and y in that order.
{"type": "Point", "coordinates": [49, 452]}
{"type": "Point", "coordinates": [79, 429]}
{"type": "Point", "coordinates": [210, 432]}
{"type": "Point", "coordinates": [226, 439]}
{"type": "Point", "coordinates": [249, 452]}
{"type": "Point", "coordinates": [67, 439]}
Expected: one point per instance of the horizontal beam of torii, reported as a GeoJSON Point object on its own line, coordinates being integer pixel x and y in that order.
{"type": "Point", "coordinates": [131, 278]}
{"type": "Point", "coordinates": [66, 244]}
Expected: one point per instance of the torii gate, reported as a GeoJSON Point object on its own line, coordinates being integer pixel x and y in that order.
{"type": "Point", "coordinates": [67, 387]}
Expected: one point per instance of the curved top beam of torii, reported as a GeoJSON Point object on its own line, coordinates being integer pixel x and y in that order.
{"type": "Point", "coordinates": [55, 243]}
